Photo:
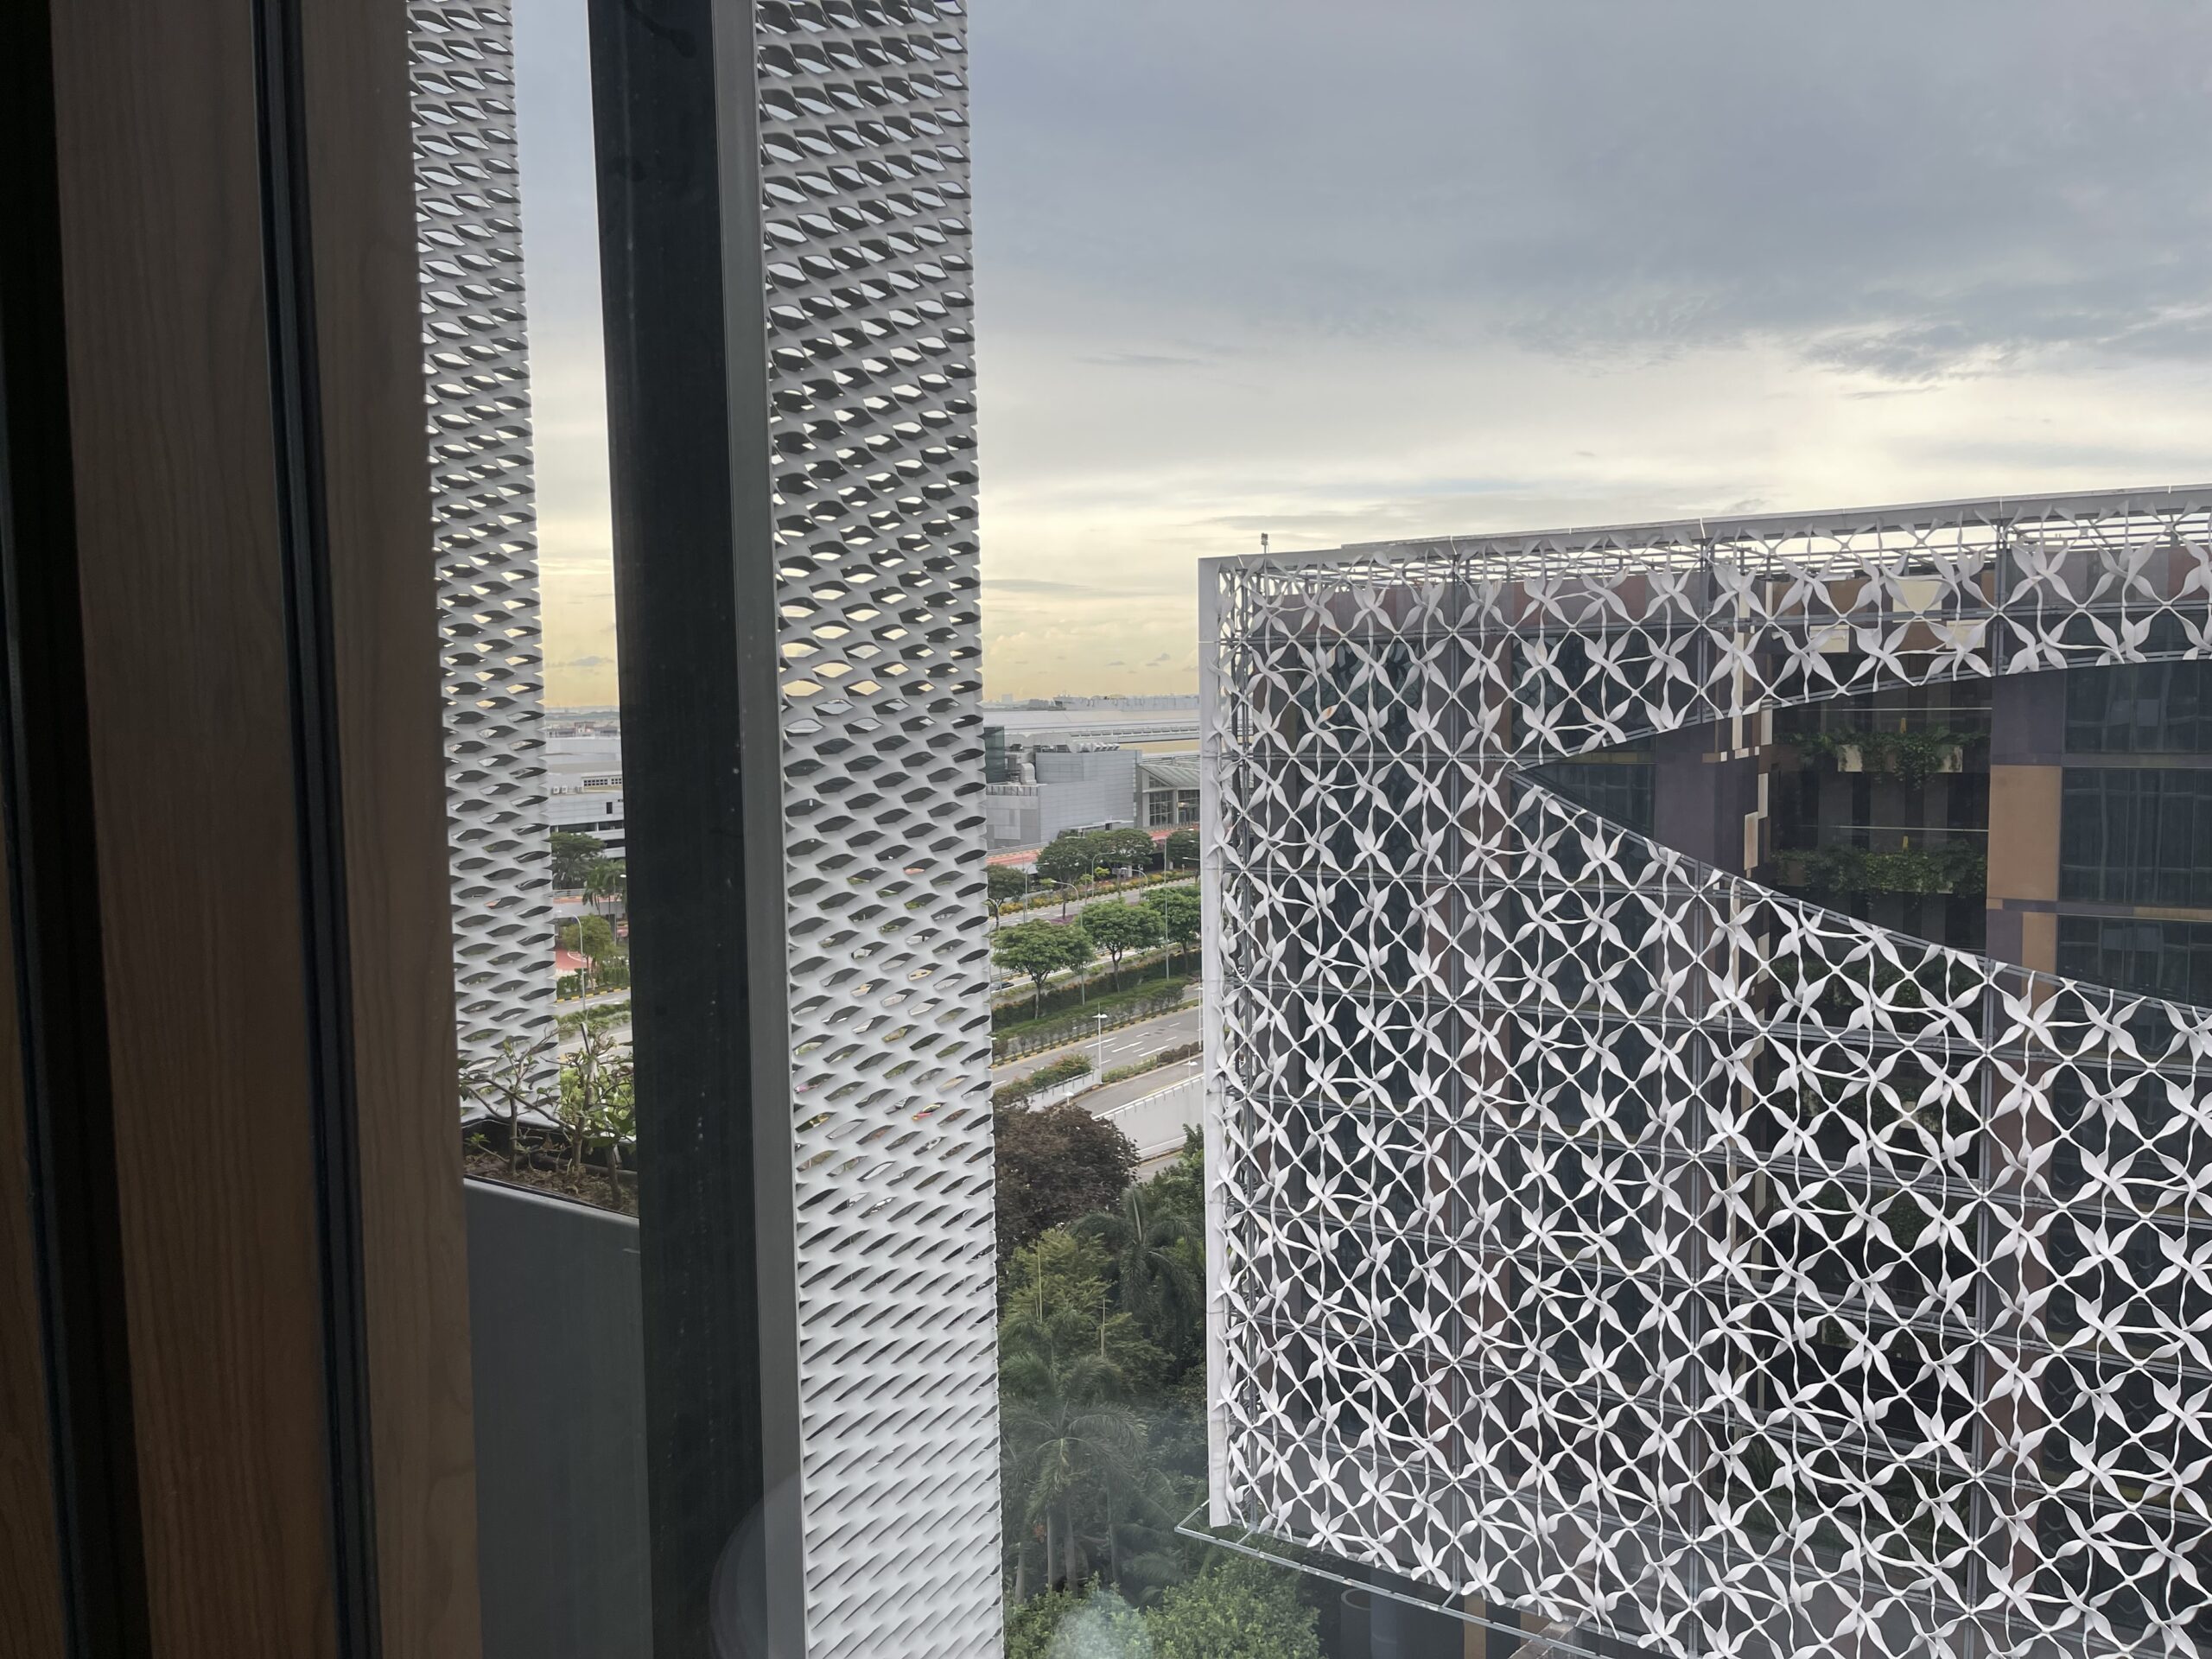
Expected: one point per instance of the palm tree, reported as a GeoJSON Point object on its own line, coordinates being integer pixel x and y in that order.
{"type": "Point", "coordinates": [1152, 1279]}
{"type": "Point", "coordinates": [605, 883]}
{"type": "Point", "coordinates": [1068, 1437]}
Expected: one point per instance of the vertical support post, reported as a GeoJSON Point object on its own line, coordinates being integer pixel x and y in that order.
{"type": "Point", "coordinates": [694, 593]}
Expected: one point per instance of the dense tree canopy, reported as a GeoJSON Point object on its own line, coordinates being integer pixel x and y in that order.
{"type": "Point", "coordinates": [1070, 858]}
{"type": "Point", "coordinates": [590, 936]}
{"type": "Point", "coordinates": [573, 855]}
{"type": "Point", "coordinates": [1006, 882]}
{"type": "Point", "coordinates": [1235, 1609]}
{"type": "Point", "coordinates": [1038, 950]}
{"type": "Point", "coordinates": [1117, 929]}
{"type": "Point", "coordinates": [607, 882]}
{"type": "Point", "coordinates": [1055, 1166]}
{"type": "Point", "coordinates": [1180, 850]}
{"type": "Point", "coordinates": [1180, 914]}
{"type": "Point", "coordinates": [1135, 848]}
{"type": "Point", "coordinates": [1154, 1253]}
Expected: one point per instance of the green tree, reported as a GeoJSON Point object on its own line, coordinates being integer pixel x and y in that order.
{"type": "Point", "coordinates": [1066, 1624]}
{"type": "Point", "coordinates": [1180, 917]}
{"type": "Point", "coordinates": [1117, 929]}
{"type": "Point", "coordinates": [1074, 1447]}
{"type": "Point", "coordinates": [592, 937]}
{"type": "Point", "coordinates": [508, 1084]}
{"type": "Point", "coordinates": [1157, 1279]}
{"type": "Point", "coordinates": [1134, 847]}
{"type": "Point", "coordinates": [573, 854]}
{"type": "Point", "coordinates": [607, 882]}
{"type": "Point", "coordinates": [1038, 950]}
{"type": "Point", "coordinates": [1069, 860]}
{"type": "Point", "coordinates": [1004, 886]}
{"type": "Point", "coordinates": [1054, 1166]}
{"type": "Point", "coordinates": [1181, 1187]}
{"type": "Point", "coordinates": [1180, 850]}
{"type": "Point", "coordinates": [598, 1099]}
{"type": "Point", "coordinates": [1235, 1609]}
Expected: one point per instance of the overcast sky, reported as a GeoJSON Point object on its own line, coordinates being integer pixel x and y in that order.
{"type": "Point", "coordinates": [1412, 266]}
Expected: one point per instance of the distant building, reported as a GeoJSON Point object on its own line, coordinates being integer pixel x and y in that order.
{"type": "Point", "coordinates": [1036, 794]}
{"type": "Point", "coordinates": [583, 789]}
{"type": "Point", "coordinates": [1062, 788]}
{"type": "Point", "coordinates": [1167, 790]}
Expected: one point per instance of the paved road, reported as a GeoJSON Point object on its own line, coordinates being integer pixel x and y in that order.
{"type": "Point", "coordinates": [1153, 1109]}
{"type": "Point", "coordinates": [1124, 1047]}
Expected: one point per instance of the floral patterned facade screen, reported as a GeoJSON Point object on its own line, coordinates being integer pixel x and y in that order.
{"type": "Point", "coordinates": [1708, 1125]}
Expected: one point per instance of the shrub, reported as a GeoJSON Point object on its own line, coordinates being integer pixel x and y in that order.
{"type": "Point", "coordinates": [1119, 1008]}
{"type": "Point", "coordinates": [1175, 1056]}
{"type": "Point", "coordinates": [1238, 1609]}
{"type": "Point", "coordinates": [1066, 1069]}
{"type": "Point", "coordinates": [1914, 756]}
{"type": "Point", "coordinates": [612, 975]}
{"type": "Point", "coordinates": [1954, 866]}
{"type": "Point", "coordinates": [606, 1014]}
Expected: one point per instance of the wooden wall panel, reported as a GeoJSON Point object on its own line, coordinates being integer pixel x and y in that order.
{"type": "Point", "coordinates": [186, 664]}
{"type": "Point", "coordinates": [2024, 812]}
{"type": "Point", "coordinates": [30, 1567]}
{"type": "Point", "coordinates": [385, 621]}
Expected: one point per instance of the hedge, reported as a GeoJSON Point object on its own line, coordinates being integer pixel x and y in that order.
{"type": "Point", "coordinates": [1061, 1071]}
{"type": "Point", "coordinates": [1024, 1007]}
{"type": "Point", "coordinates": [1119, 1008]}
{"type": "Point", "coordinates": [612, 975]}
{"type": "Point", "coordinates": [1084, 891]}
{"type": "Point", "coordinates": [604, 1013]}
{"type": "Point", "coordinates": [1175, 1056]}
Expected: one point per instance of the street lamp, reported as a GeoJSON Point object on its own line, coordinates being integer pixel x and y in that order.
{"type": "Point", "coordinates": [1101, 1018]}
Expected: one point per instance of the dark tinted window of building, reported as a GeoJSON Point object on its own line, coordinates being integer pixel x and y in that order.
{"type": "Point", "coordinates": [1617, 789]}
{"type": "Point", "coordinates": [2137, 837]}
{"type": "Point", "coordinates": [2140, 708]}
{"type": "Point", "coordinates": [2169, 959]}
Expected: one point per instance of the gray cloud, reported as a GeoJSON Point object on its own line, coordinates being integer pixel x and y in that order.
{"type": "Point", "coordinates": [1038, 585]}
{"type": "Point", "coordinates": [1906, 191]}
{"type": "Point", "coordinates": [1141, 360]}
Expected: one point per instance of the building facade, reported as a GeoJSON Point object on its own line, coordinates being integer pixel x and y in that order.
{"type": "Point", "coordinates": [584, 789]}
{"type": "Point", "coordinates": [1709, 1074]}
{"type": "Point", "coordinates": [1168, 791]}
{"type": "Point", "coordinates": [484, 519]}
{"type": "Point", "coordinates": [1063, 787]}
{"type": "Point", "coordinates": [866, 279]}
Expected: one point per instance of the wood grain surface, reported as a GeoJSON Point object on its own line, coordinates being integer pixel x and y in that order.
{"type": "Point", "coordinates": [30, 1583]}
{"type": "Point", "coordinates": [384, 623]}
{"type": "Point", "coordinates": [185, 665]}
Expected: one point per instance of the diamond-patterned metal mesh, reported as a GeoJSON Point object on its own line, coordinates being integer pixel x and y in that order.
{"type": "Point", "coordinates": [1631, 1246]}
{"type": "Point", "coordinates": [863, 125]}
{"type": "Point", "coordinates": [485, 521]}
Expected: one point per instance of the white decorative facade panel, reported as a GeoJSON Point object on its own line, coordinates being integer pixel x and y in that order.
{"type": "Point", "coordinates": [863, 108]}
{"type": "Point", "coordinates": [484, 516]}
{"type": "Point", "coordinates": [1645, 1255]}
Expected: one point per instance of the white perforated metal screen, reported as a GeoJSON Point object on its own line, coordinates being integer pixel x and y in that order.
{"type": "Point", "coordinates": [1508, 1295]}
